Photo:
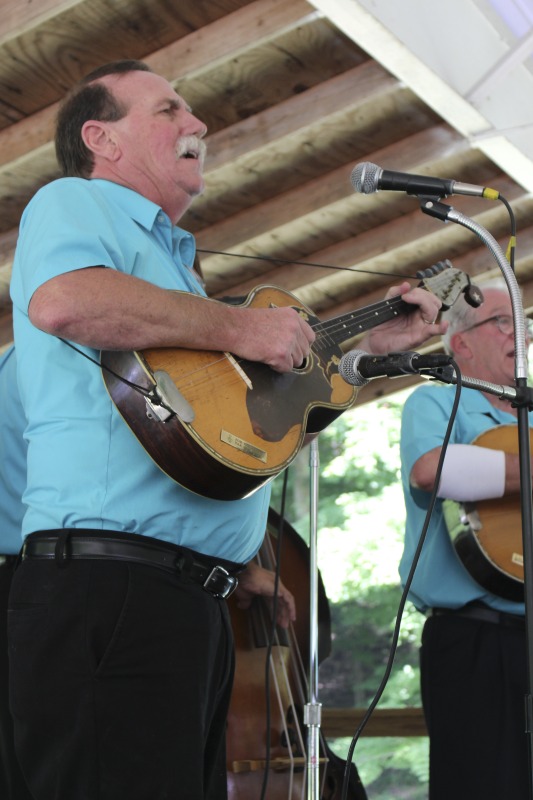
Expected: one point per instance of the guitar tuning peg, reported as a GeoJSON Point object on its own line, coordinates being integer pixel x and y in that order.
{"type": "Point", "coordinates": [473, 295]}
{"type": "Point", "coordinates": [429, 272]}
{"type": "Point", "coordinates": [425, 273]}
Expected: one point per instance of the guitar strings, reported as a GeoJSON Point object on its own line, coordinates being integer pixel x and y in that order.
{"type": "Point", "coordinates": [326, 330]}
{"type": "Point", "coordinates": [326, 333]}
{"type": "Point", "coordinates": [376, 313]}
{"type": "Point", "coordinates": [298, 697]}
{"type": "Point", "coordinates": [297, 671]}
{"type": "Point", "coordinates": [325, 337]}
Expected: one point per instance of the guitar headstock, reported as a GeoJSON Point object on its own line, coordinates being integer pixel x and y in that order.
{"type": "Point", "coordinates": [447, 283]}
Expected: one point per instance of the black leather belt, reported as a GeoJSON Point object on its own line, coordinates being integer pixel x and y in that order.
{"type": "Point", "coordinates": [481, 612]}
{"type": "Point", "coordinates": [216, 576]}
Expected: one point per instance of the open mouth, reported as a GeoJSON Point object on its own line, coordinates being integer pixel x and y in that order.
{"type": "Point", "coordinates": [190, 147]}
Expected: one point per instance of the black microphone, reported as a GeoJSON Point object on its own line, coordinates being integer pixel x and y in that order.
{"type": "Point", "coordinates": [357, 367]}
{"type": "Point", "coordinates": [368, 178]}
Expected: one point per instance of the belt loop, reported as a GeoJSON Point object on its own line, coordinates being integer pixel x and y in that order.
{"type": "Point", "coordinates": [61, 554]}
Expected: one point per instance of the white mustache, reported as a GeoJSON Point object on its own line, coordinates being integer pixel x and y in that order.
{"type": "Point", "coordinates": [191, 144]}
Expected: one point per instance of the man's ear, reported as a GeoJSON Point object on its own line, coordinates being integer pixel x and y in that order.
{"type": "Point", "coordinates": [99, 139]}
{"type": "Point", "coordinates": [460, 346]}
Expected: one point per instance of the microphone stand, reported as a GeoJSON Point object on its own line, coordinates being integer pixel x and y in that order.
{"type": "Point", "coordinates": [522, 400]}
{"type": "Point", "coordinates": [313, 709]}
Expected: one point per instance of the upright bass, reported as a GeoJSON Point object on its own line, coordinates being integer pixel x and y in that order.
{"type": "Point", "coordinates": [266, 739]}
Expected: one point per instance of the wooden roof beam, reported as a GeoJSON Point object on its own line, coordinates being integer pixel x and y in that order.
{"type": "Point", "coordinates": [383, 251]}
{"type": "Point", "coordinates": [25, 144]}
{"type": "Point", "coordinates": [309, 201]}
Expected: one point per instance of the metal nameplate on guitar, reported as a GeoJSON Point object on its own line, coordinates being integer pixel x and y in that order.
{"type": "Point", "coordinates": [244, 447]}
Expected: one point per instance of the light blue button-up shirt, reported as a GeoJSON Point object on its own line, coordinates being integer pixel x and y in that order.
{"type": "Point", "coordinates": [86, 469]}
{"type": "Point", "coordinates": [12, 456]}
{"type": "Point", "coordinates": [440, 579]}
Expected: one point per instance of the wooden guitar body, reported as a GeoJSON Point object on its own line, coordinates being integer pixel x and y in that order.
{"type": "Point", "coordinates": [249, 421]}
{"type": "Point", "coordinates": [487, 535]}
{"type": "Point", "coordinates": [221, 426]}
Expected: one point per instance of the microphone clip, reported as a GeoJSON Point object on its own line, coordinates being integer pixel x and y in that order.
{"type": "Point", "coordinates": [433, 207]}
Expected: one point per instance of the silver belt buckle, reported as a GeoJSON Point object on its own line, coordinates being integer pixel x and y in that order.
{"type": "Point", "coordinates": [220, 583]}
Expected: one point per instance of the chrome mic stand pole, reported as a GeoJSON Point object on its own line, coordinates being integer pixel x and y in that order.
{"type": "Point", "coordinates": [313, 709]}
{"type": "Point", "coordinates": [448, 214]}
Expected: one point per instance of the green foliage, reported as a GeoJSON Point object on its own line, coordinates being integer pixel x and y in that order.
{"type": "Point", "coordinates": [349, 469]}
{"type": "Point", "coordinates": [390, 768]}
{"type": "Point", "coordinates": [362, 633]}
{"type": "Point", "coordinates": [360, 523]}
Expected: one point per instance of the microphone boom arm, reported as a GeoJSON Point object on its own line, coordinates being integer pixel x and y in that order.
{"type": "Point", "coordinates": [517, 396]}
{"type": "Point", "coordinates": [447, 213]}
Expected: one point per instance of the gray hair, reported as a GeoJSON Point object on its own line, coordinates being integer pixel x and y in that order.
{"type": "Point", "coordinates": [461, 315]}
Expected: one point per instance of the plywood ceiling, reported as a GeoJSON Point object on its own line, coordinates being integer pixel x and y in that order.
{"type": "Point", "coordinates": [292, 103]}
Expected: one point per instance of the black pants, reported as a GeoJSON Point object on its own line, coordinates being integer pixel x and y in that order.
{"type": "Point", "coordinates": [12, 784]}
{"type": "Point", "coordinates": [473, 688]}
{"type": "Point", "coordinates": [121, 677]}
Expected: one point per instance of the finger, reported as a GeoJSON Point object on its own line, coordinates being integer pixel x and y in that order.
{"type": "Point", "coordinates": [305, 337]}
{"type": "Point", "coordinates": [394, 291]}
{"type": "Point", "coordinates": [310, 335]}
{"type": "Point", "coordinates": [289, 603]}
{"type": "Point", "coordinates": [284, 615]}
{"type": "Point", "coordinates": [429, 304]}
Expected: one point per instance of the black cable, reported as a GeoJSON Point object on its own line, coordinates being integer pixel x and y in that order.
{"type": "Point", "coordinates": [403, 600]}
{"type": "Point", "coordinates": [283, 261]}
{"type": "Point", "coordinates": [145, 392]}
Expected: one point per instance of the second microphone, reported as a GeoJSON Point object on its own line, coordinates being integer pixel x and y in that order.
{"type": "Point", "coordinates": [357, 367]}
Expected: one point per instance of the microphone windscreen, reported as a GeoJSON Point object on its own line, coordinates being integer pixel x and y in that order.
{"type": "Point", "coordinates": [348, 368]}
{"type": "Point", "coordinates": [365, 177]}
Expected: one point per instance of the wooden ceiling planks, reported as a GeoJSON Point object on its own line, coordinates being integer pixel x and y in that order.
{"type": "Point", "coordinates": [291, 104]}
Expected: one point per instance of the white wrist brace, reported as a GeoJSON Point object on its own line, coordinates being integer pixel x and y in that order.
{"type": "Point", "coordinates": [472, 473]}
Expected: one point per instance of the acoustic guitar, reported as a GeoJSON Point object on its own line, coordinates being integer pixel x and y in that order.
{"type": "Point", "coordinates": [487, 535]}
{"type": "Point", "coordinates": [221, 426]}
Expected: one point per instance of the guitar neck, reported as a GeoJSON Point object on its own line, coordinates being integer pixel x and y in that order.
{"type": "Point", "coordinates": [346, 326]}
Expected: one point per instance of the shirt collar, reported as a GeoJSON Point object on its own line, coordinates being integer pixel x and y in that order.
{"type": "Point", "coordinates": [139, 208]}
{"type": "Point", "coordinates": [147, 214]}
